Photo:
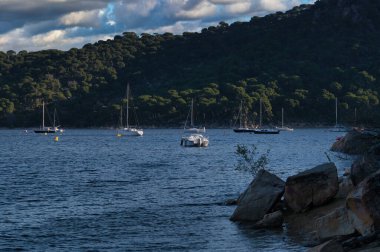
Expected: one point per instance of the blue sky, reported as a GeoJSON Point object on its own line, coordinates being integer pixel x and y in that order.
{"type": "Point", "coordinates": [64, 24]}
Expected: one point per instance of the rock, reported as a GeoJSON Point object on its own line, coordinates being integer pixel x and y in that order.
{"type": "Point", "coordinates": [356, 142]}
{"type": "Point", "coordinates": [327, 247]}
{"type": "Point", "coordinates": [310, 188]}
{"type": "Point", "coordinates": [363, 205]}
{"type": "Point", "coordinates": [334, 224]}
{"type": "Point", "coordinates": [345, 187]}
{"type": "Point", "coordinates": [259, 198]}
{"type": "Point", "coordinates": [363, 167]}
{"type": "Point", "coordinates": [271, 220]}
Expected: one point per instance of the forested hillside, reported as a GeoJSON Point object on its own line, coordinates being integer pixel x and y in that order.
{"type": "Point", "coordinates": [300, 60]}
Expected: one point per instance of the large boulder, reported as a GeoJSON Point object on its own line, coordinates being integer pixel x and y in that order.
{"type": "Point", "coordinates": [345, 187]}
{"type": "Point", "coordinates": [259, 198]}
{"type": "Point", "coordinates": [334, 224]}
{"type": "Point", "coordinates": [363, 205]}
{"type": "Point", "coordinates": [311, 188]}
{"type": "Point", "coordinates": [271, 220]}
{"type": "Point", "coordinates": [363, 167]}
{"type": "Point", "coordinates": [327, 247]}
{"type": "Point", "coordinates": [356, 142]}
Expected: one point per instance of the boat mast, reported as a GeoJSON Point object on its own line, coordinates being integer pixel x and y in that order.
{"type": "Point", "coordinates": [282, 117]}
{"type": "Point", "coordinates": [121, 115]}
{"type": "Point", "coordinates": [54, 118]}
{"type": "Point", "coordinates": [191, 115]}
{"type": "Point", "coordinates": [241, 113]}
{"type": "Point", "coordinates": [43, 114]}
{"type": "Point", "coordinates": [261, 113]}
{"type": "Point", "coordinates": [336, 111]}
{"type": "Point", "coordinates": [127, 106]}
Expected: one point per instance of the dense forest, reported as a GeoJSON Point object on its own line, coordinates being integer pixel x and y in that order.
{"type": "Point", "coordinates": [300, 60]}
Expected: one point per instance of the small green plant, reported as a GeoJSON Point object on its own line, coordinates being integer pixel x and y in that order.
{"type": "Point", "coordinates": [249, 159]}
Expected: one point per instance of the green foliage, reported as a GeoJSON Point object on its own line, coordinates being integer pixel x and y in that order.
{"type": "Point", "coordinates": [300, 60]}
{"type": "Point", "coordinates": [249, 159]}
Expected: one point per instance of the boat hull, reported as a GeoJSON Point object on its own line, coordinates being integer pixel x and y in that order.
{"type": "Point", "coordinates": [133, 132]}
{"type": "Point", "coordinates": [266, 131]}
{"type": "Point", "coordinates": [244, 130]}
{"type": "Point", "coordinates": [45, 131]}
{"type": "Point", "coordinates": [195, 140]}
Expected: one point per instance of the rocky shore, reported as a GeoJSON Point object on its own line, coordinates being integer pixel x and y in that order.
{"type": "Point", "coordinates": [325, 212]}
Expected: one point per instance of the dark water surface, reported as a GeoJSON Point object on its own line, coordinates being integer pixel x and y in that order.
{"type": "Point", "coordinates": [94, 191]}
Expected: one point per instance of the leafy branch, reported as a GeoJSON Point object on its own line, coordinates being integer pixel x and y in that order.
{"type": "Point", "coordinates": [249, 159]}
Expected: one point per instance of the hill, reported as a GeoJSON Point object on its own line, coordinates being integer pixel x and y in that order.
{"type": "Point", "coordinates": [300, 60]}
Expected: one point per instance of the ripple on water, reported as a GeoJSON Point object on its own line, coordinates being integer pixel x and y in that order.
{"type": "Point", "coordinates": [93, 191]}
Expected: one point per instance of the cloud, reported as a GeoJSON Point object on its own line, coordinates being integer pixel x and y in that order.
{"type": "Point", "coordinates": [62, 24]}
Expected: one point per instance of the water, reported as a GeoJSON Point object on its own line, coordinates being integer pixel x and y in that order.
{"type": "Point", "coordinates": [94, 191]}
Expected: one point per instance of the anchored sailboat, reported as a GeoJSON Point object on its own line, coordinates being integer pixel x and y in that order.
{"type": "Point", "coordinates": [195, 139]}
{"type": "Point", "coordinates": [130, 130]}
{"type": "Point", "coordinates": [261, 130]}
{"type": "Point", "coordinates": [283, 128]}
{"type": "Point", "coordinates": [242, 127]}
{"type": "Point", "coordinates": [193, 129]}
{"type": "Point", "coordinates": [338, 127]}
{"type": "Point", "coordinates": [44, 129]}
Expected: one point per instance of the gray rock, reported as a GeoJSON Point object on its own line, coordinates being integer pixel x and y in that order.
{"type": "Point", "coordinates": [345, 187]}
{"type": "Point", "coordinates": [363, 167]}
{"type": "Point", "coordinates": [271, 220]}
{"type": "Point", "coordinates": [327, 247]}
{"type": "Point", "coordinates": [311, 188]}
{"type": "Point", "coordinates": [259, 198]}
{"type": "Point", "coordinates": [356, 142]}
{"type": "Point", "coordinates": [363, 205]}
{"type": "Point", "coordinates": [334, 224]}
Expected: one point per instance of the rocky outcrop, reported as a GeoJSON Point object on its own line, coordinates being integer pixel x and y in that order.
{"type": "Point", "coordinates": [356, 142]}
{"type": "Point", "coordinates": [327, 247]}
{"type": "Point", "coordinates": [271, 220]}
{"type": "Point", "coordinates": [363, 167]}
{"type": "Point", "coordinates": [259, 198]}
{"type": "Point", "coordinates": [311, 188]}
{"type": "Point", "coordinates": [345, 187]}
{"type": "Point", "coordinates": [363, 205]}
{"type": "Point", "coordinates": [334, 224]}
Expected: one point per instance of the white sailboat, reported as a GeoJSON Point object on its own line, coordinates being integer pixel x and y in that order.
{"type": "Point", "coordinates": [338, 127]}
{"type": "Point", "coordinates": [283, 128]}
{"type": "Point", "coordinates": [193, 129]}
{"type": "Point", "coordinates": [43, 129]}
{"type": "Point", "coordinates": [262, 130]}
{"type": "Point", "coordinates": [195, 139]}
{"type": "Point", "coordinates": [130, 130]}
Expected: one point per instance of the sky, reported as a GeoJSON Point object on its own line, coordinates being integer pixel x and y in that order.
{"type": "Point", "coordinates": [34, 25]}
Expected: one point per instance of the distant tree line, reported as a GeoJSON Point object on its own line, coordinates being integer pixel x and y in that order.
{"type": "Point", "coordinates": [300, 60]}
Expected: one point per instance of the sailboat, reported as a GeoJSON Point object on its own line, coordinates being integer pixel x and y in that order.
{"type": "Point", "coordinates": [195, 139]}
{"type": "Point", "coordinates": [261, 130]}
{"type": "Point", "coordinates": [193, 129]}
{"type": "Point", "coordinates": [283, 128]}
{"type": "Point", "coordinates": [338, 127]}
{"type": "Point", "coordinates": [242, 128]}
{"type": "Point", "coordinates": [129, 130]}
{"type": "Point", "coordinates": [44, 129]}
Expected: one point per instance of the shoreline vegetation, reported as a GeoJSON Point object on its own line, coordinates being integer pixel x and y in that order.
{"type": "Point", "coordinates": [302, 60]}
{"type": "Point", "coordinates": [316, 207]}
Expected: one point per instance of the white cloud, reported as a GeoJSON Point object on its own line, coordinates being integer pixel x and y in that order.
{"type": "Point", "coordinates": [82, 18]}
{"type": "Point", "coordinates": [62, 24]}
{"type": "Point", "coordinates": [201, 10]}
{"type": "Point", "coordinates": [274, 5]}
{"type": "Point", "coordinates": [239, 8]}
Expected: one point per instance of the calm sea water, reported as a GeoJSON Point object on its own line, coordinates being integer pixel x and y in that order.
{"type": "Point", "coordinates": [94, 191]}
